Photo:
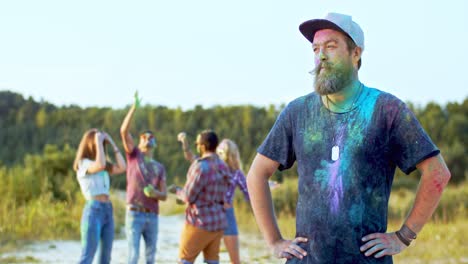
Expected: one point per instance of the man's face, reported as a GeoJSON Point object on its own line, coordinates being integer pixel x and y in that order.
{"type": "Point", "coordinates": [147, 141]}
{"type": "Point", "coordinates": [333, 62]}
{"type": "Point", "coordinates": [198, 145]}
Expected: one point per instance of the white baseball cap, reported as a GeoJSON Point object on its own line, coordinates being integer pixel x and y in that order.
{"type": "Point", "coordinates": [339, 22]}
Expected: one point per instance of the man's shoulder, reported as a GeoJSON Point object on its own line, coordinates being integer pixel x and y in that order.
{"type": "Point", "coordinates": [383, 95]}
{"type": "Point", "coordinates": [302, 103]}
{"type": "Point", "coordinates": [383, 103]}
{"type": "Point", "coordinates": [304, 100]}
{"type": "Point", "coordinates": [210, 161]}
{"type": "Point", "coordinates": [199, 162]}
{"type": "Point", "coordinates": [135, 153]}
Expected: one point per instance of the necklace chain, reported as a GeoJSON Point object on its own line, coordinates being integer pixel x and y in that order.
{"type": "Point", "coordinates": [336, 149]}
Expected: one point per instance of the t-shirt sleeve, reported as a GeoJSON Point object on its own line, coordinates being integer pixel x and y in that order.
{"type": "Point", "coordinates": [133, 154]}
{"type": "Point", "coordinates": [278, 145]}
{"type": "Point", "coordinates": [409, 143]}
{"type": "Point", "coordinates": [83, 167]}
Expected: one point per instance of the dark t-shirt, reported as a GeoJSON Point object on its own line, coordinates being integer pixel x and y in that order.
{"type": "Point", "coordinates": [341, 201]}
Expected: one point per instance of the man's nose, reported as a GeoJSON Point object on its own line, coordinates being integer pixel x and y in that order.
{"type": "Point", "coordinates": [322, 56]}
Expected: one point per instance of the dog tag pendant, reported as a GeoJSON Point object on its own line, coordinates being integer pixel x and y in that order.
{"type": "Point", "coordinates": [335, 153]}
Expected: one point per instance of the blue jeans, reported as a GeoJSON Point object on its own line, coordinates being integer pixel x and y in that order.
{"type": "Point", "coordinates": [97, 227]}
{"type": "Point", "coordinates": [139, 224]}
{"type": "Point", "coordinates": [231, 228]}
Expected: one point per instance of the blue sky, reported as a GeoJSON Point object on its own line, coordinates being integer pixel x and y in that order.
{"type": "Point", "coordinates": [184, 53]}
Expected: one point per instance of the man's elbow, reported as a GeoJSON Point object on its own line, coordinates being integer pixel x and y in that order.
{"type": "Point", "coordinates": [445, 176]}
{"type": "Point", "coordinates": [123, 132]}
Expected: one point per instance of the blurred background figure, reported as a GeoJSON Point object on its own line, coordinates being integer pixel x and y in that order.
{"type": "Point", "coordinates": [229, 152]}
{"type": "Point", "coordinates": [93, 170]}
{"type": "Point", "coordinates": [146, 186]}
{"type": "Point", "coordinates": [204, 192]}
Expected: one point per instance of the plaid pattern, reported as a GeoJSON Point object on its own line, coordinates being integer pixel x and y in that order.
{"type": "Point", "coordinates": [207, 182]}
{"type": "Point", "coordinates": [238, 180]}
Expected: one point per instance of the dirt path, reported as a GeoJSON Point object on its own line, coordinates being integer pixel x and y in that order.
{"type": "Point", "coordinates": [252, 250]}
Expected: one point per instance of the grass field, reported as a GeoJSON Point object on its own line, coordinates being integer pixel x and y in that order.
{"type": "Point", "coordinates": [443, 239]}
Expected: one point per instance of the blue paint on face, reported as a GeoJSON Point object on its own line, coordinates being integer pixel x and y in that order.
{"type": "Point", "coordinates": [151, 142]}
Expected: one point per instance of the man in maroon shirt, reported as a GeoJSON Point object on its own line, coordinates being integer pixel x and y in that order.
{"type": "Point", "coordinates": [146, 185]}
{"type": "Point", "coordinates": [204, 192]}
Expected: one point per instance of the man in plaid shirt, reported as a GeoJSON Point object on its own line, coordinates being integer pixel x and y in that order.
{"type": "Point", "coordinates": [208, 179]}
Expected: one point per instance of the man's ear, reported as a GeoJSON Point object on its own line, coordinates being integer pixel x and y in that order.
{"type": "Point", "coordinates": [356, 55]}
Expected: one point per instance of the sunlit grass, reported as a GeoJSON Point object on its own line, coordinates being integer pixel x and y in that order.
{"type": "Point", "coordinates": [170, 207]}
{"type": "Point", "coordinates": [437, 243]}
{"type": "Point", "coordinates": [45, 218]}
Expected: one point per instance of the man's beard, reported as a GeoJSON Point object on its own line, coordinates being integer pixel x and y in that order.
{"type": "Point", "coordinates": [332, 79]}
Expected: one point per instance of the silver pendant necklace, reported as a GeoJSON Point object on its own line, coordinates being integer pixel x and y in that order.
{"type": "Point", "coordinates": [335, 151]}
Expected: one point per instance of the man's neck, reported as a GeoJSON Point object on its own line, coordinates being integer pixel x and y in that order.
{"type": "Point", "coordinates": [348, 93]}
{"type": "Point", "coordinates": [207, 154]}
{"type": "Point", "coordinates": [147, 153]}
{"type": "Point", "coordinates": [343, 99]}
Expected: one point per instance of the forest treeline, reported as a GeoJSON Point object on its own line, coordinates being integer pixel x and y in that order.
{"type": "Point", "coordinates": [32, 131]}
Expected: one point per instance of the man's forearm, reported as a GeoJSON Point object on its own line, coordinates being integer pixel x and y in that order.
{"type": "Point", "coordinates": [435, 176]}
{"type": "Point", "coordinates": [128, 119]}
{"type": "Point", "coordinates": [262, 206]}
{"type": "Point", "coordinates": [188, 155]}
{"type": "Point", "coordinates": [160, 195]}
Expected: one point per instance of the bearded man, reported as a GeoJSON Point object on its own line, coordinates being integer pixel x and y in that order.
{"type": "Point", "coordinates": [347, 139]}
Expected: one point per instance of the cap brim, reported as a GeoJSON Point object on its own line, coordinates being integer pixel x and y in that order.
{"type": "Point", "coordinates": [310, 27]}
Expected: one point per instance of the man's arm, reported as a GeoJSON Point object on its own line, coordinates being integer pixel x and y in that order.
{"type": "Point", "coordinates": [159, 194]}
{"type": "Point", "coordinates": [194, 184]}
{"type": "Point", "coordinates": [260, 197]}
{"type": "Point", "coordinates": [262, 204]}
{"type": "Point", "coordinates": [124, 128]}
{"type": "Point", "coordinates": [188, 155]}
{"type": "Point", "coordinates": [162, 189]}
{"type": "Point", "coordinates": [434, 177]}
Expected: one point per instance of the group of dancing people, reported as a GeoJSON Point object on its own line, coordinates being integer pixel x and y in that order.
{"type": "Point", "coordinates": [214, 174]}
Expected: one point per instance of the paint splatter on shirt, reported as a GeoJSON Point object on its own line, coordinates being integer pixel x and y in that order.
{"type": "Point", "coordinates": [341, 201]}
{"type": "Point", "coordinates": [140, 173]}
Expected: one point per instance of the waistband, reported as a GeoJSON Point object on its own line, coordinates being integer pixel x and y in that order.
{"type": "Point", "coordinates": [140, 209]}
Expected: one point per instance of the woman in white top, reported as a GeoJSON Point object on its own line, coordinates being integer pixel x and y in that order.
{"type": "Point", "coordinates": [93, 170]}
